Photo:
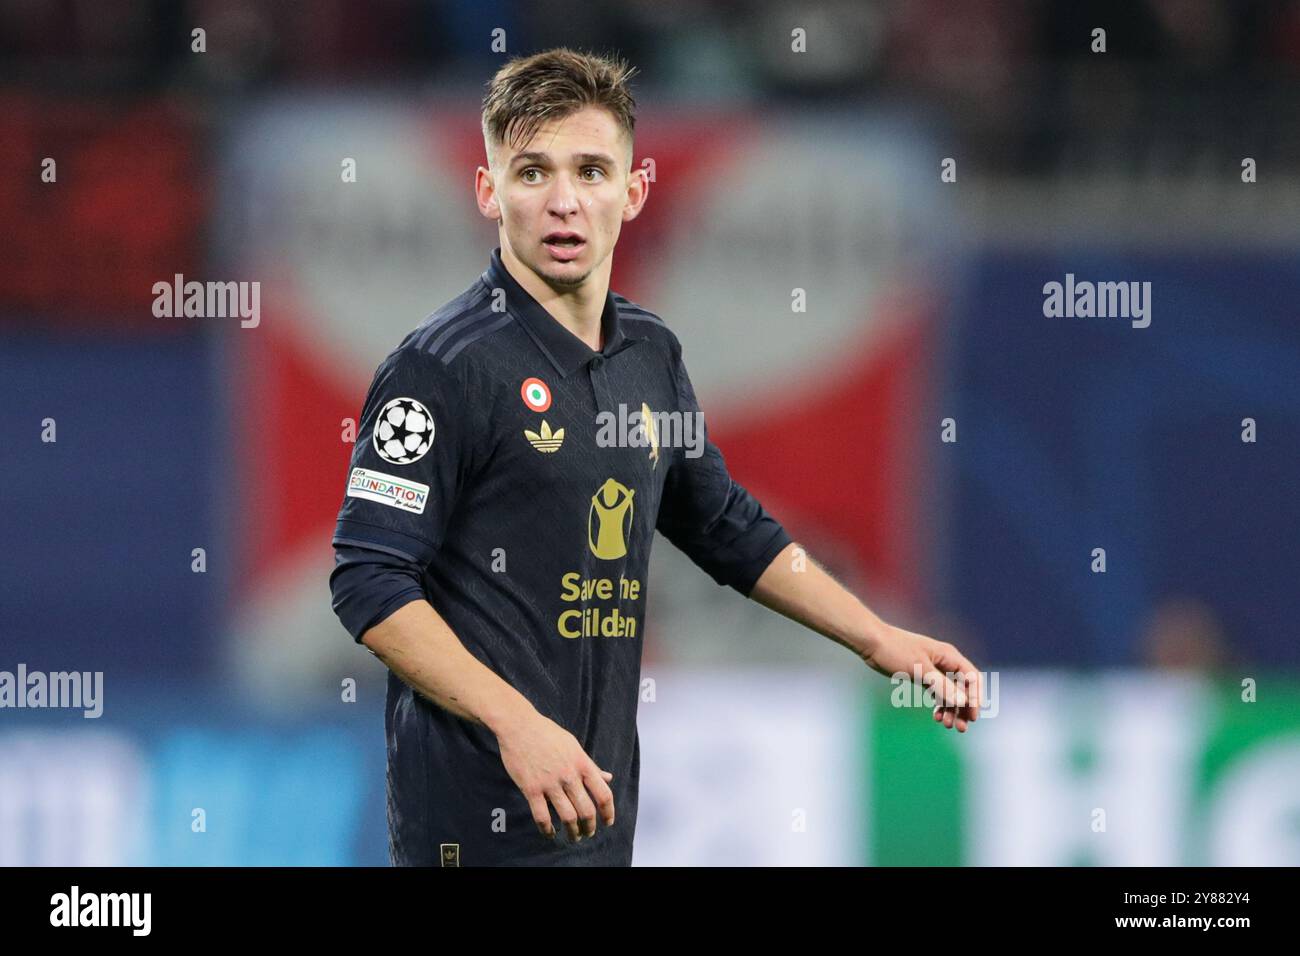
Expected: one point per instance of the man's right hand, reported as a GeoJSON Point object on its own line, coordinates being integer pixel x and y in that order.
{"type": "Point", "coordinates": [547, 763]}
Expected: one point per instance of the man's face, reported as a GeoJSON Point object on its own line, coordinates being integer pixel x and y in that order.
{"type": "Point", "coordinates": [563, 196]}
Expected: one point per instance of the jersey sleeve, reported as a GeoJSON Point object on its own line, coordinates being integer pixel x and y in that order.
{"type": "Point", "coordinates": [711, 518]}
{"type": "Point", "coordinates": [366, 586]}
{"type": "Point", "coordinates": [410, 460]}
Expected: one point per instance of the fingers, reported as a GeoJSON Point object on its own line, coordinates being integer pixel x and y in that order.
{"type": "Point", "coordinates": [973, 708]}
{"type": "Point", "coordinates": [590, 796]}
{"type": "Point", "coordinates": [541, 813]}
{"type": "Point", "coordinates": [577, 794]}
{"type": "Point", "coordinates": [564, 810]}
{"type": "Point", "coordinates": [551, 769]}
{"type": "Point", "coordinates": [600, 792]}
{"type": "Point", "coordinates": [942, 686]}
{"type": "Point", "coordinates": [951, 718]}
{"type": "Point", "coordinates": [950, 659]}
{"type": "Point", "coordinates": [577, 808]}
{"type": "Point", "coordinates": [960, 699]}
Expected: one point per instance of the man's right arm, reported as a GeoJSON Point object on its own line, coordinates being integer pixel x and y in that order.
{"type": "Point", "coordinates": [378, 598]}
{"type": "Point", "coordinates": [399, 500]}
{"type": "Point", "coordinates": [416, 444]}
{"type": "Point", "coordinates": [417, 645]}
{"type": "Point", "coordinates": [546, 762]}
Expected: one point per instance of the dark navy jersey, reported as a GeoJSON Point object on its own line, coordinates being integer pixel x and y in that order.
{"type": "Point", "coordinates": [514, 478]}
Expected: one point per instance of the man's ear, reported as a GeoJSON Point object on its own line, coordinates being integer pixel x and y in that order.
{"type": "Point", "coordinates": [486, 195]}
{"type": "Point", "coordinates": [638, 190]}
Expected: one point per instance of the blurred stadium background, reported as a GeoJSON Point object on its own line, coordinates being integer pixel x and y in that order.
{"type": "Point", "coordinates": [763, 743]}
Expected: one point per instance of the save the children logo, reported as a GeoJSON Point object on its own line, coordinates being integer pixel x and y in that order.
{"type": "Point", "coordinates": [609, 522]}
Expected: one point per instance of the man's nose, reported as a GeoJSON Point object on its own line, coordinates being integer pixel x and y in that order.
{"type": "Point", "coordinates": [563, 200]}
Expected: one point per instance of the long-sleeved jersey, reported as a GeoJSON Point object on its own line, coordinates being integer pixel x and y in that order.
{"type": "Point", "coordinates": [514, 478]}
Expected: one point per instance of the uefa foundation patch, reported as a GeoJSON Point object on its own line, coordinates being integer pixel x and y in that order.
{"type": "Point", "coordinates": [387, 490]}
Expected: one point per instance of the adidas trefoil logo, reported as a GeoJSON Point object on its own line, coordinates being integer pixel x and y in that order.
{"type": "Point", "coordinates": [547, 441]}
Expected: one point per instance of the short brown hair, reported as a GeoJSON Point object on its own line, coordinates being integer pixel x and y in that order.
{"type": "Point", "coordinates": [528, 91]}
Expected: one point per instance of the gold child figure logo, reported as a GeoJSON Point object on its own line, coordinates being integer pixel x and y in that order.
{"type": "Point", "coordinates": [610, 520]}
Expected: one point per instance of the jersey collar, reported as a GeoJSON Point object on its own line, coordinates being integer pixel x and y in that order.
{"type": "Point", "coordinates": [566, 351]}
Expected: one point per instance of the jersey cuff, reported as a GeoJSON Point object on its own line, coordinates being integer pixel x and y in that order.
{"type": "Point", "coordinates": [751, 572]}
{"type": "Point", "coordinates": [388, 608]}
{"type": "Point", "coordinates": [399, 544]}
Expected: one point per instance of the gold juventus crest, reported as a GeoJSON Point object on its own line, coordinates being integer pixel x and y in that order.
{"type": "Point", "coordinates": [651, 434]}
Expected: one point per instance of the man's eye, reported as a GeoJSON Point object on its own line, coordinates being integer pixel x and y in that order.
{"type": "Point", "coordinates": [526, 174]}
{"type": "Point", "coordinates": [596, 170]}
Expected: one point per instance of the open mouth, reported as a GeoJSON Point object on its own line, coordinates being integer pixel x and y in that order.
{"type": "Point", "coordinates": [563, 245]}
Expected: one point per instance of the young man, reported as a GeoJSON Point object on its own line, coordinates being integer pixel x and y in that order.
{"type": "Point", "coordinates": [494, 539]}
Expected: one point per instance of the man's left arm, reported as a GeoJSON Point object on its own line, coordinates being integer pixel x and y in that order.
{"type": "Point", "coordinates": [796, 586]}
{"type": "Point", "coordinates": [727, 532]}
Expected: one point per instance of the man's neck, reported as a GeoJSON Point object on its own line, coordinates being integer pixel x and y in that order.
{"type": "Point", "coordinates": [579, 310]}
